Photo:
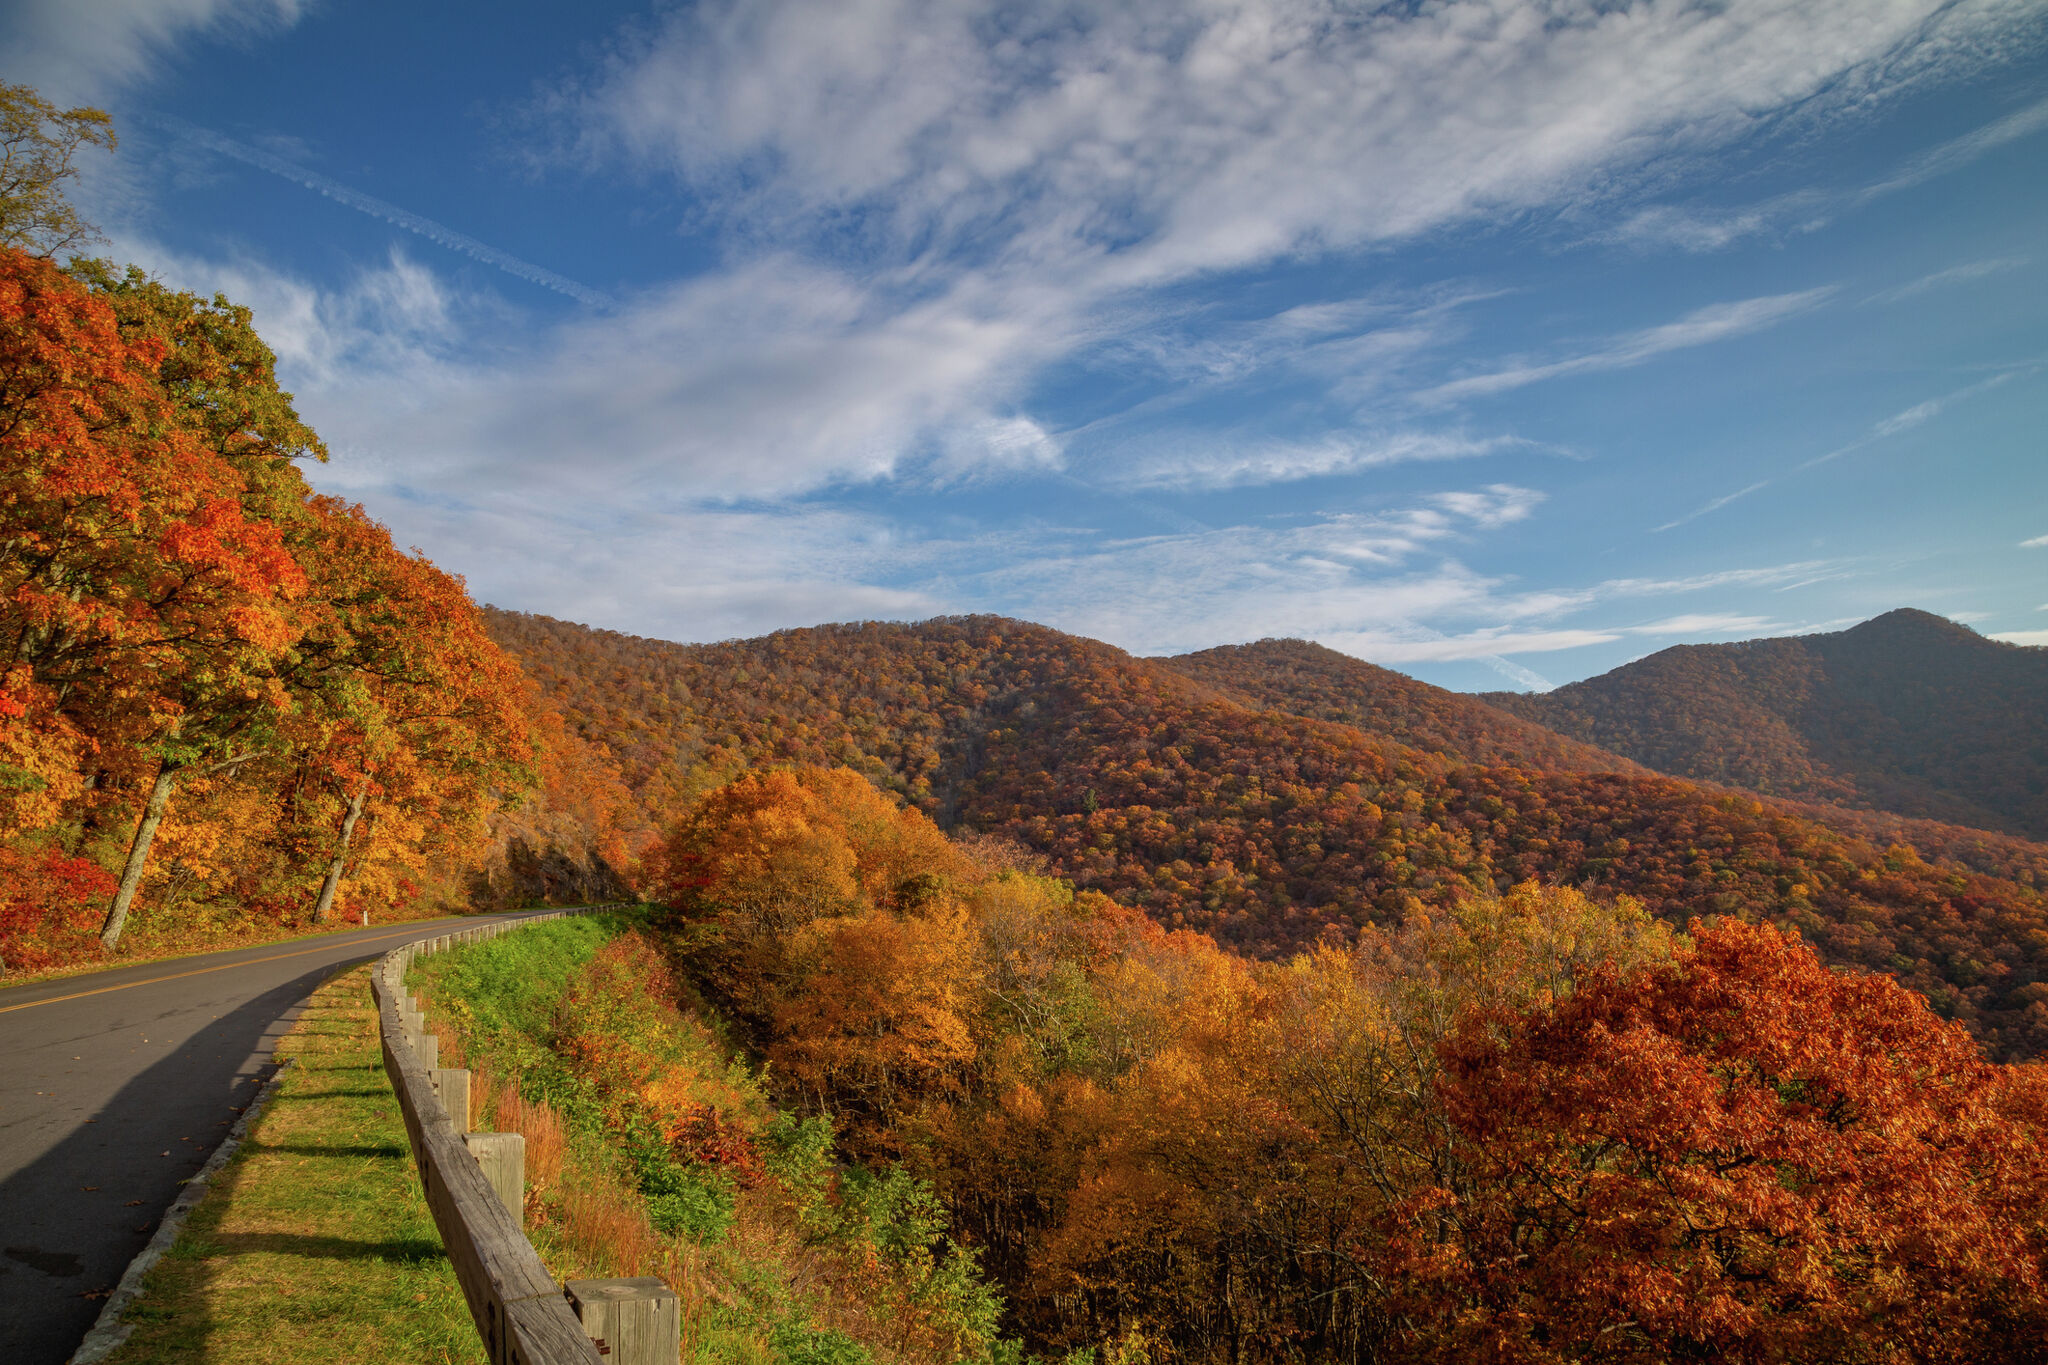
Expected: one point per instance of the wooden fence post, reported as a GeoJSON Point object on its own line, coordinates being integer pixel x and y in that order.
{"type": "Point", "coordinates": [452, 1085]}
{"type": "Point", "coordinates": [503, 1157]}
{"type": "Point", "coordinates": [637, 1321]}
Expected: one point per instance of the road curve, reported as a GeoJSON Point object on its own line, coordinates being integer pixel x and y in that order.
{"type": "Point", "coordinates": [114, 1087]}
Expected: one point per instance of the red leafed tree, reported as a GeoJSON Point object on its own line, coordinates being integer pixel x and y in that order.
{"type": "Point", "coordinates": [1739, 1156]}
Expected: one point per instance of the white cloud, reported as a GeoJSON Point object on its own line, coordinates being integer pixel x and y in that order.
{"type": "Point", "coordinates": [928, 202]}
{"type": "Point", "coordinates": [1795, 573]}
{"type": "Point", "coordinates": [1494, 506]}
{"type": "Point", "coordinates": [1154, 139]}
{"type": "Point", "coordinates": [1714, 505]}
{"type": "Point", "coordinates": [1716, 322]}
{"type": "Point", "coordinates": [1701, 228]}
{"type": "Point", "coordinates": [1191, 589]}
{"type": "Point", "coordinates": [997, 447]}
{"type": "Point", "coordinates": [1712, 229]}
{"type": "Point", "coordinates": [1709, 623]}
{"type": "Point", "coordinates": [2023, 637]}
{"type": "Point", "coordinates": [2035, 543]}
{"type": "Point", "coordinates": [1478, 644]}
{"type": "Point", "coordinates": [932, 200]}
{"type": "Point", "coordinates": [75, 52]}
{"type": "Point", "coordinates": [773, 379]}
{"type": "Point", "coordinates": [1959, 151]}
{"type": "Point", "coordinates": [1969, 272]}
{"type": "Point", "coordinates": [1041, 172]}
{"type": "Point", "coordinates": [438, 233]}
{"type": "Point", "coordinates": [1908, 418]}
{"type": "Point", "coordinates": [1904, 420]}
{"type": "Point", "coordinates": [1199, 461]}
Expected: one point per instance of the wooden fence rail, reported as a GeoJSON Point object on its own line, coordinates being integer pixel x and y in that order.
{"type": "Point", "coordinates": [521, 1313]}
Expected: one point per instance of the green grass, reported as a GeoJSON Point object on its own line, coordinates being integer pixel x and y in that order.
{"type": "Point", "coordinates": [506, 987]}
{"type": "Point", "coordinates": [315, 1244]}
{"type": "Point", "coordinates": [814, 1264]}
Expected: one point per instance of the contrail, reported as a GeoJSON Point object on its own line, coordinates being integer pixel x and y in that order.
{"type": "Point", "coordinates": [390, 213]}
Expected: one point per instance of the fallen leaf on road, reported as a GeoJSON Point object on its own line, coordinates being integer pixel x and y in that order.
{"type": "Point", "coordinates": [88, 1188]}
{"type": "Point", "coordinates": [132, 1204]}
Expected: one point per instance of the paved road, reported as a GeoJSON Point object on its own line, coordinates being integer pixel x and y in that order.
{"type": "Point", "coordinates": [114, 1087]}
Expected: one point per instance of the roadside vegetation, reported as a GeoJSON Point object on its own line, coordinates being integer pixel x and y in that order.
{"type": "Point", "coordinates": [653, 1148]}
{"type": "Point", "coordinates": [315, 1246]}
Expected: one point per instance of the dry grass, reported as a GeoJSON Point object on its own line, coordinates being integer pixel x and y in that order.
{"type": "Point", "coordinates": [591, 1224]}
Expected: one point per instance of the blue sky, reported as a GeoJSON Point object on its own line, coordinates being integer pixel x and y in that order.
{"type": "Point", "coordinates": [1496, 342]}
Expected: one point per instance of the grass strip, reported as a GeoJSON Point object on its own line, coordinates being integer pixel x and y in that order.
{"type": "Point", "coordinates": [316, 1245]}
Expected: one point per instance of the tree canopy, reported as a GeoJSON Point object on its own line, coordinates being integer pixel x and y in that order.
{"type": "Point", "coordinates": [38, 142]}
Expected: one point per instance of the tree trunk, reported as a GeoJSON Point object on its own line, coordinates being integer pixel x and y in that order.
{"type": "Point", "coordinates": [138, 854]}
{"type": "Point", "coordinates": [325, 904]}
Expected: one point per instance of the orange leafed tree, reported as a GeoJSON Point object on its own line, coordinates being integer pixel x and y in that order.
{"type": "Point", "coordinates": [406, 706]}
{"type": "Point", "coordinates": [1530, 1126]}
{"type": "Point", "coordinates": [180, 613]}
{"type": "Point", "coordinates": [143, 611]}
{"type": "Point", "coordinates": [1738, 1156]}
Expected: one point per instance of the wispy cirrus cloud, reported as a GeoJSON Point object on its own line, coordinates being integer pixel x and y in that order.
{"type": "Point", "coordinates": [438, 233]}
{"type": "Point", "coordinates": [1969, 272]}
{"type": "Point", "coordinates": [910, 211]}
{"type": "Point", "coordinates": [1198, 460]}
{"type": "Point", "coordinates": [1055, 172]}
{"type": "Point", "coordinates": [1709, 623]}
{"type": "Point", "coordinates": [1701, 327]}
{"type": "Point", "coordinates": [1182, 139]}
{"type": "Point", "coordinates": [1715, 227]}
{"type": "Point", "coordinates": [80, 53]}
{"type": "Point", "coordinates": [1902, 421]}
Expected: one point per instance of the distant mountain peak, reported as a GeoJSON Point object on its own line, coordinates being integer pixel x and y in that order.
{"type": "Point", "coordinates": [1915, 624]}
{"type": "Point", "coordinates": [1907, 712]}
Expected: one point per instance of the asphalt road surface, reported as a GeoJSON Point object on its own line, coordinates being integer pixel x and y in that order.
{"type": "Point", "coordinates": [114, 1087]}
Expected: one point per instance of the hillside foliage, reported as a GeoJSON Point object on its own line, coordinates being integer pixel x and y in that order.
{"type": "Point", "coordinates": [1907, 713]}
{"type": "Point", "coordinates": [652, 1150]}
{"type": "Point", "coordinates": [1305, 679]}
{"type": "Point", "coordinates": [1530, 1126]}
{"type": "Point", "coordinates": [1268, 830]}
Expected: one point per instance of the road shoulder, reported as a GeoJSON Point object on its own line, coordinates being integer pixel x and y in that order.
{"type": "Point", "coordinates": [315, 1244]}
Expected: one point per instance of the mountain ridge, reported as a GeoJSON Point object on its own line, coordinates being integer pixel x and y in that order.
{"type": "Point", "coordinates": [1268, 830]}
{"type": "Point", "coordinates": [1906, 713]}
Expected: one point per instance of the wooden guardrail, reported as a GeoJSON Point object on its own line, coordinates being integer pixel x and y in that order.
{"type": "Point", "coordinates": [521, 1313]}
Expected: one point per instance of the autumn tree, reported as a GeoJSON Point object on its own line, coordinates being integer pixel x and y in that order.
{"type": "Point", "coordinates": [1527, 1125]}
{"type": "Point", "coordinates": [404, 703]}
{"type": "Point", "coordinates": [37, 144]}
{"type": "Point", "coordinates": [1739, 1155]}
{"type": "Point", "coordinates": [146, 611]}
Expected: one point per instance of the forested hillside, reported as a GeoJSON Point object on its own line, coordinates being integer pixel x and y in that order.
{"type": "Point", "coordinates": [1307, 679]}
{"type": "Point", "coordinates": [1534, 1127]}
{"type": "Point", "coordinates": [1270, 831]}
{"type": "Point", "coordinates": [1907, 713]}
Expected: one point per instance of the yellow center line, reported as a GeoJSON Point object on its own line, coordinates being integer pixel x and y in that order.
{"type": "Point", "coordinates": [202, 971]}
